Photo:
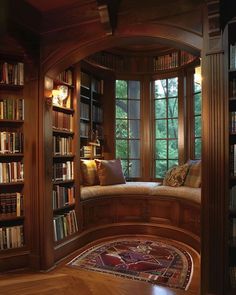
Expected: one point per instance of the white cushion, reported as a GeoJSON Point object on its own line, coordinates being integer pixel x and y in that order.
{"type": "Point", "coordinates": [128, 188]}
{"type": "Point", "coordinates": [184, 192]}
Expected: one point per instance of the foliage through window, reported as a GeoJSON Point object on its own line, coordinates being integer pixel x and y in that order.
{"type": "Point", "coordinates": [128, 126]}
{"type": "Point", "coordinates": [166, 125]}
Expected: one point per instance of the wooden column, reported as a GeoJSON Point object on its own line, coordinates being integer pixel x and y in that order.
{"type": "Point", "coordinates": [214, 158]}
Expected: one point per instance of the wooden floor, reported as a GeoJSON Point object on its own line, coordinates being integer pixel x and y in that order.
{"type": "Point", "coordinates": [64, 280]}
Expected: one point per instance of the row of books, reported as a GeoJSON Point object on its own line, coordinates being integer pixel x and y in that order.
{"type": "Point", "coordinates": [97, 114]}
{"type": "Point", "coordinates": [64, 225]}
{"type": "Point", "coordinates": [84, 129]}
{"type": "Point", "coordinates": [108, 60]}
{"type": "Point", "coordinates": [12, 109]}
{"type": "Point", "coordinates": [12, 73]}
{"type": "Point", "coordinates": [66, 76]}
{"type": "Point", "coordinates": [232, 88]}
{"type": "Point", "coordinates": [11, 204]}
{"type": "Point", "coordinates": [85, 80]}
{"type": "Point", "coordinates": [167, 61]}
{"type": "Point", "coordinates": [84, 111]}
{"type": "Point", "coordinates": [232, 122]}
{"type": "Point", "coordinates": [62, 121]}
{"type": "Point", "coordinates": [62, 196]}
{"type": "Point", "coordinates": [232, 160]}
{"type": "Point", "coordinates": [11, 237]}
{"type": "Point", "coordinates": [11, 172]}
{"type": "Point", "coordinates": [11, 142]}
{"type": "Point", "coordinates": [232, 56]}
{"type": "Point", "coordinates": [62, 145]}
{"type": "Point", "coordinates": [232, 198]}
{"type": "Point", "coordinates": [97, 86]}
{"type": "Point", "coordinates": [63, 171]}
{"type": "Point", "coordinates": [186, 58]}
{"type": "Point", "coordinates": [232, 231]}
{"type": "Point", "coordinates": [232, 275]}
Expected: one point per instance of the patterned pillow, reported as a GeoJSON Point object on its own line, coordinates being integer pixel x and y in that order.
{"type": "Point", "coordinates": [193, 179]}
{"type": "Point", "coordinates": [89, 172]}
{"type": "Point", "coordinates": [176, 175]}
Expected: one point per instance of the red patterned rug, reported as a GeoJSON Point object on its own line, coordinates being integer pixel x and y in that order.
{"type": "Point", "coordinates": [155, 261]}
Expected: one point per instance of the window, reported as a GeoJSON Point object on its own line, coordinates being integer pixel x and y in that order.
{"type": "Point", "coordinates": [197, 100]}
{"type": "Point", "coordinates": [128, 126]}
{"type": "Point", "coordinates": [166, 125]}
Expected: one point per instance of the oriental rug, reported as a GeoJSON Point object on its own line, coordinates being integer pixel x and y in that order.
{"type": "Point", "coordinates": [155, 261]}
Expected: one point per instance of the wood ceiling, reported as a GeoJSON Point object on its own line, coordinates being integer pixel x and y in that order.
{"type": "Point", "coordinates": [46, 5]}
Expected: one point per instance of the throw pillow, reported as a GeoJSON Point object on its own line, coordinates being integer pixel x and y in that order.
{"type": "Point", "coordinates": [193, 179]}
{"type": "Point", "coordinates": [89, 172]}
{"type": "Point", "coordinates": [110, 172]}
{"type": "Point", "coordinates": [176, 175]}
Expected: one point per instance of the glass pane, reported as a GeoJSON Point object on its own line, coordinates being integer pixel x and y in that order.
{"type": "Point", "coordinates": [198, 103]}
{"type": "Point", "coordinates": [161, 128]}
{"type": "Point", "coordinates": [121, 89]}
{"type": "Point", "coordinates": [161, 149]}
{"type": "Point", "coordinates": [134, 168]}
{"type": "Point", "coordinates": [160, 108]}
{"type": "Point", "coordinates": [124, 164]}
{"type": "Point", "coordinates": [134, 149]}
{"type": "Point", "coordinates": [160, 88]}
{"type": "Point", "coordinates": [134, 131]}
{"type": "Point", "coordinates": [121, 109]}
{"type": "Point", "coordinates": [173, 87]}
{"type": "Point", "coordinates": [161, 167]}
{"type": "Point", "coordinates": [121, 149]}
{"type": "Point", "coordinates": [172, 107]}
{"type": "Point", "coordinates": [172, 163]}
{"type": "Point", "coordinates": [173, 128]}
{"type": "Point", "coordinates": [134, 109]}
{"type": "Point", "coordinates": [134, 90]}
{"type": "Point", "coordinates": [197, 80]}
{"type": "Point", "coordinates": [198, 148]}
{"type": "Point", "coordinates": [198, 126]}
{"type": "Point", "coordinates": [121, 128]}
{"type": "Point", "coordinates": [173, 149]}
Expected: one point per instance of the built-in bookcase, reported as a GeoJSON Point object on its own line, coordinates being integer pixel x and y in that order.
{"type": "Point", "coordinates": [91, 115]}
{"type": "Point", "coordinates": [12, 213]}
{"type": "Point", "coordinates": [231, 233]}
{"type": "Point", "coordinates": [64, 157]}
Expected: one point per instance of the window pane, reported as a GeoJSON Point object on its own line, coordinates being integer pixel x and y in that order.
{"type": "Point", "coordinates": [197, 80]}
{"type": "Point", "coordinates": [121, 89]}
{"type": "Point", "coordinates": [134, 149]}
{"type": "Point", "coordinates": [198, 103]}
{"type": "Point", "coordinates": [172, 87]}
{"type": "Point", "coordinates": [198, 126]}
{"type": "Point", "coordinates": [173, 149]}
{"type": "Point", "coordinates": [134, 168]}
{"type": "Point", "coordinates": [160, 88]}
{"type": "Point", "coordinates": [134, 131]}
{"type": "Point", "coordinates": [134, 90]}
{"type": "Point", "coordinates": [161, 128]}
{"type": "Point", "coordinates": [124, 164]}
{"type": "Point", "coordinates": [134, 109]}
{"type": "Point", "coordinates": [161, 149]}
{"type": "Point", "coordinates": [172, 163]}
{"type": "Point", "coordinates": [173, 107]}
{"type": "Point", "coordinates": [121, 149]}
{"type": "Point", "coordinates": [198, 148]}
{"type": "Point", "coordinates": [121, 128]}
{"type": "Point", "coordinates": [121, 109]}
{"type": "Point", "coordinates": [161, 167]}
{"type": "Point", "coordinates": [160, 108]}
{"type": "Point", "coordinates": [173, 128]}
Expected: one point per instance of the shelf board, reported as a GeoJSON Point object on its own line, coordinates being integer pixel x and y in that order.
{"type": "Point", "coordinates": [62, 109]}
{"type": "Point", "coordinates": [84, 137]}
{"type": "Point", "coordinates": [61, 131]}
{"type": "Point", "coordinates": [66, 207]}
{"type": "Point", "coordinates": [85, 87]}
{"type": "Point", "coordinates": [233, 98]}
{"type": "Point", "coordinates": [59, 82]}
{"type": "Point", "coordinates": [11, 86]}
{"type": "Point", "coordinates": [11, 121]}
{"type": "Point", "coordinates": [10, 217]}
{"type": "Point", "coordinates": [11, 155]}
{"type": "Point", "coordinates": [232, 212]}
{"type": "Point", "coordinates": [63, 181]}
{"type": "Point", "coordinates": [84, 96]}
{"type": "Point", "coordinates": [63, 156]}
{"type": "Point", "coordinates": [66, 240]}
{"type": "Point", "coordinates": [84, 119]}
{"type": "Point", "coordinates": [12, 183]}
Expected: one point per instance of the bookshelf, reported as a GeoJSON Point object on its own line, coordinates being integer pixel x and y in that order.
{"type": "Point", "coordinates": [64, 187]}
{"type": "Point", "coordinates": [12, 192]}
{"type": "Point", "coordinates": [231, 204]}
{"type": "Point", "coordinates": [91, 115]}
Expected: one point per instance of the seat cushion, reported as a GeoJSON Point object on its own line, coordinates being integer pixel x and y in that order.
{"type": "Point", "coordinates": [128, 188]}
